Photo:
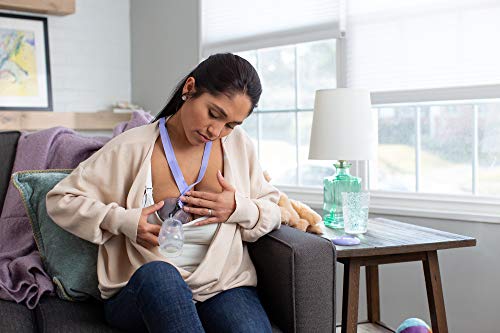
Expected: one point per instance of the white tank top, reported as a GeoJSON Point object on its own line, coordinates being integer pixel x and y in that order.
{"type": "Point", "coordinates": [197, 239]}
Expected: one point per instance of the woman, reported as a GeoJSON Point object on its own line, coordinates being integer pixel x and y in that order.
{"type": "Point", "coordinates": [192, 161]}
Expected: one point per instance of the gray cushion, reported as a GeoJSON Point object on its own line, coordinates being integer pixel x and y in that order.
{"type": "Point", "coordinates": [16, 318]}
{"type": "Point", "coordinates": [68, 259]}
{"type": "Point", "coordinates": [57, 315]}
{"type": "Point", "coordinates": [8, 146]}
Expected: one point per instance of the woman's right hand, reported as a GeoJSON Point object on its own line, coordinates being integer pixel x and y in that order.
{"type": "Point", "coordinates": [147, 233]}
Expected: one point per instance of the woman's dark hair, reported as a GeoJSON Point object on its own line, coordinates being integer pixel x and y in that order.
{"type": "Point", "coordinates": [222, 73]}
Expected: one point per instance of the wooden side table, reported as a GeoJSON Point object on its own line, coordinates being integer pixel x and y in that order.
{"type": "Point", "coordinates": [388, 242]}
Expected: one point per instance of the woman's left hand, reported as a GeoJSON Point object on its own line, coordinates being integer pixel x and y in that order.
{"type": "Point", "coordinates": [218, 205]}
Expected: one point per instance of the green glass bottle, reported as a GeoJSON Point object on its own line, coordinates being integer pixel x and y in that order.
{"type": "Point", "coordinates": [333, 186]}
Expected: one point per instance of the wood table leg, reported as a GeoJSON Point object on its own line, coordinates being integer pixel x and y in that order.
{"type": "Point", "coordinates": [350, 297]}
{"type": "Point", "coordinates": [372, 294]}
{"type": "Point", "coordinates": [435, 293]}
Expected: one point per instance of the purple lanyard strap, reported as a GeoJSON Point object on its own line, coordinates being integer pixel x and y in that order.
{"type": "Point", "coordinates": [174, 166]}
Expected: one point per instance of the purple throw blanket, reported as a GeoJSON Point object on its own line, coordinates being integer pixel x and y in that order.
{"type": "Point", "coordinates": [22, 276]}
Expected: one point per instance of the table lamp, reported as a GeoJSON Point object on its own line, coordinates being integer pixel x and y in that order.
{"type": "Point", "coordinates": [342, 130]}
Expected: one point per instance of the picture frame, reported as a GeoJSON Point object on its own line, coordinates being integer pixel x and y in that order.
{"type": "Point", "coordinates": [25, 80]}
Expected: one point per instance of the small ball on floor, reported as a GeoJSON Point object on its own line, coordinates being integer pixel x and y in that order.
{"type": "Point", "coordinates": [413, 325]}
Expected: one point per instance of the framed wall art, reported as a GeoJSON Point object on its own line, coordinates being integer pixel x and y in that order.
{"type": "Point", "coordinates": [25, 82]}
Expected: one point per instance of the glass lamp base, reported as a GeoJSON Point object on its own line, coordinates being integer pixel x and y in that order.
{"type": "Point", "coordinates": [334, 224]}
{"type": "Point", "coordinates": [333, 187]}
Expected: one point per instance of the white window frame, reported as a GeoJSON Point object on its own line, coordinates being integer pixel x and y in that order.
{"type": "Point", "coordinates": [436, 206]}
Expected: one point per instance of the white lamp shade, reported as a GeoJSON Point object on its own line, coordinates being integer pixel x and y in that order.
{"type": "Point", "coordinates": [342, 127]}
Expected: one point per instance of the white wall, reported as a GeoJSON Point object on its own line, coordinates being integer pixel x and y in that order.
{"type": "Point", "coordinates": [121, 50]}
{"type": "Point", "coordinates": [165, 47]}
{"type": "Point", "coordinates": [469, 276]}
{"type": "Point", "coordinates": [89, 55]}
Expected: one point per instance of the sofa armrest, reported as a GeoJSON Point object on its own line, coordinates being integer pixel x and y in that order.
{"type": "Point", "coordinates": [296, 279]}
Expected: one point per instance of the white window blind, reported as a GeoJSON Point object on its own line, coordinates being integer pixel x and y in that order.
{"type": "Point", "coordinates": [233, 26]}
{"type": "Point", "coordinates": [403, 50]}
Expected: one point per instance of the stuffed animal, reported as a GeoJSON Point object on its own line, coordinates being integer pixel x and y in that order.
{"type": "Point", "coordinates": [297, 214]}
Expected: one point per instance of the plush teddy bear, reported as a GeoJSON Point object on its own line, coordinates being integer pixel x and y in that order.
{"type": "Point", "coordinates": [297, 214]}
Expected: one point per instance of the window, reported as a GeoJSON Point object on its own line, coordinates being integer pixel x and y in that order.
{"type": "Point", "coordinates": [435, 88]}
{"type": "Point", "coordinates": [281, 124]}
{"type": "Point", "coordinates": [433, 72]}
{"type": "Point", "coordinates": [448, 148]}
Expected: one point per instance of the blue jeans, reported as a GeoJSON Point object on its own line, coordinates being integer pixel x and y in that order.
{"type": "Point", "coordinates": [157, 299]}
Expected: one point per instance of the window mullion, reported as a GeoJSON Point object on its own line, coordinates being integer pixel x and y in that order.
{"type": "Point", "coordinates": [418, 147]}
{"type": "Point", "coordinates": [341, 63]}
{"type": "Point", "coordinates": [475, 148]}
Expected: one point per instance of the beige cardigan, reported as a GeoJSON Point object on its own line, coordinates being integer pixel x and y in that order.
{"type": "Point", "coordinates": [100, 201]}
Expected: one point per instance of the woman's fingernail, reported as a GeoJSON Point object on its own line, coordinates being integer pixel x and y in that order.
{"type": "Point", "coordinates": [182, 198]}
{"type": "Point", "coordinates": [186, 208]}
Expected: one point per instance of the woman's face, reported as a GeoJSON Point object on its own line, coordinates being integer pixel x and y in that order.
{"type": "Point", "coordinates": [208, 118]}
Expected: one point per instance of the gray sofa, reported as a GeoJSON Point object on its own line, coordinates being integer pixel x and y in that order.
{"type": "Point", "coordinates": [296, 281]}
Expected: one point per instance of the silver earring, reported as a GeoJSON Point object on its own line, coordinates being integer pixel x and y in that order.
{"type": "Point", "coordinates": [184, 97]}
